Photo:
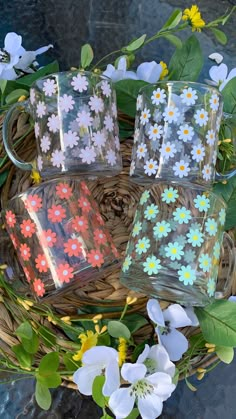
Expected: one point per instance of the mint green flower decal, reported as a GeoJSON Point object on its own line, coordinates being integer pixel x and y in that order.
{"type": "Point", "coordinates": [151, 211]}
{"type": "Point", "coordinates": [126, 264]}
{"type": "Point", "coordinates": [143, 245]}
{"type": "Point", "coordinates": [161, 229]}
{"type": "Point", "coordinates": [211, 287]}
{"type": "Point", "coordinates": [189, 256]}
{"type": "Point", "coordinates": [181, 240]}
{"type": "Point", "coordinates": [152, 265]}
{"type": "Point", "coordinates": [216, 250]}
{"type": "Point", "coordinates": [175, 265]}
{"type": "Point", "coordinates": [182, 215]}
{"type": "Point", "coordinates": [187, 275]}
{"type": "Point", "coordinates": [211, 226]}
{"type": "Point", "coordinates": [222, 216]}
{"type": "Point", "coordinates": [169, 195]}
{"type": "Point", "coordinates": [174, 251]}
{"type": "Point", "coordinates": [202, 203]}
{"type": "Point", "coordinates": [145, 196]}
{"type": "Point", "coordinates": [195, 237]}
{"type": "Point", "coordinates": [136, 229]}
{"type": "Point", "coordinates": [205, 262]}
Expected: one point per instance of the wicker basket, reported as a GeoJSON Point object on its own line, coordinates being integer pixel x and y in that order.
{"type": "Point", "coordinates": [117, 198]}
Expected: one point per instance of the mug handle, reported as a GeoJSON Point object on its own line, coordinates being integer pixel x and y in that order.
{"type": "Point", "coordinates": [6, 135]}
{"type": "Point", "coordinates": [231, 275]}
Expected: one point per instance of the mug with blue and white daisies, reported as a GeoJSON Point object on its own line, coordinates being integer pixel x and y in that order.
{"type": "Point", "coordinates": [176, 133]}
{"type": "Point", "coordinates": [174, 247]}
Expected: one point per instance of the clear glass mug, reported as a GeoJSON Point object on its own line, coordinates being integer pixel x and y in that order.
{"type": "Point", "coordinates": [176, 133]}
{"type": "Point", "coordinates": [174, 248]}
{"type": "Point", "coordinates": [75, 122]}
{"type": "Point", "coordinates": [59, 236]}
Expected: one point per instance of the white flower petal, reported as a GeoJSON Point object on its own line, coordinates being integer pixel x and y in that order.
{"type": "Point", "coordinates": [232, 298]}
{"type": "Point", "coordinates": [150, 406]}
{"type": "Point", "coordinates": [175, 343]}
{"type": "Point", "coordinates": [154, 312]}
{"type": "Point", "coordinates": [175, 314]}
{"type": "Point", "coordinates": [149, 72]}
{"type": "Point", "coordinates": [218, 73]}
{"type": "Point", "coordinates": [85, 376]}
{"type": "Point", "coordinates": [112, 381]}
{"type": "Point", "coordinates": [218, 58]}
{"type": "Point", "coordinates": [99, 355]}
{"type": "Point", "coordinates": [109, 70]}
{"type": "Point", "coordinates": [144, 355]}
{"type": "Point", "coordinates": [133, 372]}
{"type": "Point", "coordinates": [162, 383]}
{"type": "Point", "coordinates": [122, 64]}
{"type": "Point", "coordinates": [121, 402]}
{"type": "Point", "coordinates": [12, 43]}
{"type": "Point", "coordinates": [192, 316]}
{"type": "Point", "coordinates": [8, 74]}
{"type": "Point", "coordinates": [231, 75]}
{"type": "Point", "coordinates": [41, 50]}
{"type": "Point", "coordinates": [160, 355]}
{"type": "Point", "coordinates": [27, 58]}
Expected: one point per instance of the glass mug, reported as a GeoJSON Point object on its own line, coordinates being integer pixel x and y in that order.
{"type": "Point", "coordinates": [176, 133]}
{"type": "Point", "coordinates": [174, 248]}
{"type": "Point", "coordinates": [59, 236]}
{"type": "Point", "coordinates": [75, 122]}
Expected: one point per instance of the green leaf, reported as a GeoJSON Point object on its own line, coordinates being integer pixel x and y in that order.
{"type": "Point", "coordinates": [46, 70]}
{"type": "Point", "coordinates": [25, 331]}
{"type": "Point", "coordinates": [225, 354]}
{"type": "Point", "coordinates": [14, 96]}
{"type": "Point", "coordinates": [51, 380]}
{"type": "Point", "coordinates": [218, 322]}
{"type": "Point", "coordinates": [117, 329]}
{"type": "Point", "coordinates": [31, 346]}
{"type": "Point", "coordinates": [86, 55]}
{"type": "Point", "coordinates": [173, 20]}
{"type": "Point", "coordinates": [186, 62]}
{"type": "Point", "coordinates": [228, 193]}
{"type": "Point", "coordinates": [134, 322]}
{"type": "Point", "coordinates": [136, 44]}
{"type": "Point", "coordinates": [3, 84]}
{"type": "Point", "coordinates": [48, 338]}
{"type": "Point", "coordinates": [189, 385]}
{"type": "Point", "coordinates": [42, 396]}
{"type": "Point", "coordinates": [3, 177]}
{"type": "Point", "coordinates": [97, 395]}
{"type": "Point", "coordinates": [174, 40]}
{"type": "Point", "coordinates": [229, 96]}
{"type": "Point", "coordinates": [69, 363]}
{"type": "Point", "coordinates": [127, 93]}
{"type": "Point", "coordinates": [23, 357]}
{"type": "Point", "coordinates": [49, 363]}
{"type": "Point", "coordinates": [104, 340]}
{"type": "Point", "coordinates": [220, 36]}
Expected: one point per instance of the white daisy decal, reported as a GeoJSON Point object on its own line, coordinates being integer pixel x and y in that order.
{"type": "Point", "coordinates": [106, 88]}
{"type": "Point", "coordinates": [49, 87]}
{"type": "Point", "coordinates": [206, 172]}
{"type": "Point", "coordinates": [57, 158]}
{"type": "Point", "coordinates": [155, 132]}
{"type": "Point", "coordinates": [145, 116]}
{"type": "Point", "coordinates": [141, 151]}
{"type": "Point", "coordinates": [96, 104]}
{"type": "Point", "coordinates": [108, 123]}
{"type": "Point", "coordinates": [158, 96]}
{"type": "Point", "coordinates": [41, 109]}
{"type": "Point", "coordinates": [45, 143]}
{"type": "Point", "coordinates": [84, 119]}
{"type": "Point", "coordinates": [40, 163]}
{"type": "Point", "coordinates": [168, 150]}
{"type": "Point", "coordinates": [36, 129]}
{"type": "Point", "coordinates": [79, 83]}
{"type": "Point", "coordinates": [32, 96]}
{"type": "Point", "coordinates": [114, 110]}
{"type": "Point", "coordinates": [139, 102]}
{"type": "Point", "coordinates": [185, 133]}
{"type": "Point", "coordinates": [198, 152]}
{"type": "Point", "coordinates": [66, 103]}
{"type": "Point", "coordinates": [150, 168]}
{"type": "Point", "coordinates": [181, 168]}
{"type": "Point", "coordinates": [210, 137]}
{"type": "Point", "coordinates": [99, 138]}
{"type": "Point", "coordinates": [53, 123]}
{"type": "Point", "coordinates": [71, 139]}
{"type": "Point", "coordinates": [201, 117]}
{"type": "Point", "coordinates": [189, 96]}
{"type": "Point", "coordinates": [136, 135]}
{"type": "Point", "coordinates": [111, 157]}
{"type": "Point", "coordinates": [171, 114]}
{"type": "Point", "coordinates": [87, 155]}
{"type": "Point", "coordinates": [132, 168]}
{"type": "Point", "coordinates": [117, 142]}
{"type": "Point", "coordinates": [214, 102]}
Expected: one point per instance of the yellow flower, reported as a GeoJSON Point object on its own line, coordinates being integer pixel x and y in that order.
{"type": "Point", "coordinates": [35, 176]}
{"type": "Point", "coordinates": [88, 340]}
{"type": "Point", "coordinates": [131, 300]}
{"type": "Point", "coordinates": [66, 320]}
{"type": "Point", "coordinates": [211, 347]}
{"type": "Point", "coordinates": [96, 318]}
{"type": "Point", "coordinates": [193, 16]}
{"type": "Point", "coordinates": [165, 70]}
{"type": "Point", "coordinates": [25, 303]}
{"type": "Point", "coordinates": [51, 320]}
{"type": "Point", "coordinates": [122, 351]}
{"type": "Point", "coordinates": [100, 331]}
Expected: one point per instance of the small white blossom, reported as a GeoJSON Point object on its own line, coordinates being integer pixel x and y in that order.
{"type": "Point", "coordinates": [99, 138]}
{"type": "Point", "coordinates": [49, 87]}
{"type": "Point", "coordinates": [198, 152]}
{"type": "Point", "coordinates": [150, 167]}
{"type": "Point", "coordinates": [181, 168]}
{"type": "Point", "coordinates": [45, 143]}
{"type": "Point", "coordinates": [111, 157]}
{"type": "Point", "coordinates": [145, 116]}
{"type": "Point", "coordinates": [168, 150]}
{"type": "Point", "coordinates": [57, 158]}
{"type": "Point", "coordinates": [71, 139]}
{"type": "Point", "coordinates": [141, 150]}
{"type": "Point", "coordinates": [84, 119]}
{"type": "Point", "coordinates": [66, 103]}
{"type": "Point", "coordinates": [96, 104]}
{"type": "Point", "coordinates": [108, 122]}
{"type": "Point", "coordinates": [185, 133]}
{"type": "Point", "coordinates": [171, 114]}
{"type": "Point", "coordinates": [189, 96]}
{"type": "Point", "coordinates": [106, 88]}
{"type": "Point", "coordinates": [36, 129]}
{"type": "Point", "coordinates": [201, 117]}
{"type": "Point", "coordinates": [41, 109]}
{"type": "Point", "coordinates": [87, 155]}
{"type": "Point", "coordinates": [79, 83]}
{"type": "Point", "coordinates": [158, 96]}
{"type": "Point", "coordinates": [53, 123]}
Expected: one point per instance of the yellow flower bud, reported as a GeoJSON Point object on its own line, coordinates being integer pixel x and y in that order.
{"type": "Point", "coordinates": [22, 98]}
{"type": "Point", "coordinates": [1, 299]}
{"type": "Point", "coordinates": [35, 176]}
{"type": "Point", "coordinates": [96, 318]}
{"type": "Point", "coordinates": [227, 140]}
{"type": "Point", "coordinates": [200, 376]}
{"type": "Point", "coordinates": [201, 370]}
{"type": "Point", "coordinates": [66, 319]}
{"type": "Point", "coordinates": [210, 345]}
{"type": "Point", "coordinates": [100, 331]}
{"type": "Point", "coordinates": [3, 266]}
{"type": "Point", "coordinates": [50, 319]}
{"type": "Point", "coordinates": [131, 300]}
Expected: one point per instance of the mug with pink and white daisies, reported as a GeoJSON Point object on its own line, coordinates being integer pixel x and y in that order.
{"type": "Point", "coordinates": [75, 123]}
{"type": "Point", "coordinates": [176, 133]}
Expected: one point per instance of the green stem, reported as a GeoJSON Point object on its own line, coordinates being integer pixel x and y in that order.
{"type": "Point", "coordinates": [105, 57]}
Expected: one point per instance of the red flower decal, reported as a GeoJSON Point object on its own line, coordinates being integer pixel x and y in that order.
{"type": "Point", "coordinates": [65, 272]}
{"type": "Point", "coordinates": [100, 219]}
{"type": "Point", "coordinates": [80, 224]}
{"type": "Point", "coordinates": [41, 263]}
{"type": "Point", "coordinates": [95, 258]}
{"type": "Point", "coordinates": [29, 273]}
{"type": "Point", "coordinates": [100, 237]}
{"type": "Point", "coordinates": [73, 247]}
{"type": "Point", "coordinates": [10, 218]}
{"type": "Point", "coordinates": [64, 191]}
{"type": "Point", "coordinates": [27, 228]}
{"type": "Point", "coordinates": [56, 213]}
{"type": "Point", "coordinates": [25, 251]}
{"type": "Point", "coordinates": [84, 204]}
{"type": "Point", "coordinates": [39, 287]}
{"type": "Point", "coordinates": [115, 251]}
{"type": "Point", "coordinates": [48, 238]}
{"type": "Point", "coordinates": [14, 240]}
{"type": "Point", "coordinates": [85, 188]}
{"type": "Point", "coordinates": [33, 203]}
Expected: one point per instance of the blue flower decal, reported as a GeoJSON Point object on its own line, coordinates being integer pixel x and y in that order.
{"type": "Point", "coordinates": [211, 287]}
{"type": "Point", "coordinates": [222, 216]}
{"type": "Point", "coordinates": [187, 275]}
{"type": "Point", "coordinates": [151, 211]}
{"type": "Point", "coordinates": [152, 265]}
{"type": "Point", "coordinates": [211, 226]}
{"type": "Point", "coordinates": [169, 195]}
{"type": "Point", "coordinates": [189, 256]}
{"type": "Point", "coordinates": [195, 237]}
{"type": "Point", "coordinates": [143, 245]}
{"type": "Point", "coordinates": [182, 215]}
{"type": "Point", "coordinates": [205, 262]}
{"type": "Point", "coordinates": [161, 229]}
{"type": "Point", "coordinates": [145, 196]}
{"type": "Point", "coordinates": [174, 251]}
{"type": "Point", "coordinates": [202, 203]}
{"type": "Point", "coordinates": [216, 250]}
{"type": "Point", "coordinates": [136, 229]}
{"type": "Point", "coordinates": [126, 264]}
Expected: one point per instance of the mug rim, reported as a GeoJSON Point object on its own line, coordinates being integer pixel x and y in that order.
{"type": "Point", "coordinates": [77, 71]}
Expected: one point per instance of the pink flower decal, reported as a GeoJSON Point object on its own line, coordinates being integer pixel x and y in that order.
{"type": "Point", "coordinates": [10, 218]}
{"type": "Point", "coordinates": [95, 258]}
{"type": "Point", "coordinates": [33, 203]}
{"type": "Point", "coordinates": [85, 188]}
{"type": "Point", "coordinates": [27, 228]}
{"type": "Point", "coordinates": [25, 251]}
{"type": "Point", "coordinates": [100, 237]}
{"type": "Point", "coordinates": [65, 272]}
{"type": "Point", "coordinates": [48, 238]}
{"type": "Point", "coordinates": [14, 240]}
{"type": "Point", "coordinates": [29, 273]}
{"type": "Point", "coordinates": [56, 213]}
{"type": "Point", "coordinates": [41, 263]}
{"type": "Point", "coordinates": [73, 247]}
{"type": "Point", "coordinates": [64, 191]}
{"type": "Point", "coordinates": [39, 287]}
{"type": "Point", "coordinates": [100, 219]}
{"type": "Point", "coordinates": [84, 204]}
{"type": "Point", "coordinates": [80, 224]}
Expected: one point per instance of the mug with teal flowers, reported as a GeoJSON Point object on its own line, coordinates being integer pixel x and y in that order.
{"type": "Point", "coordinates": [174, 248]}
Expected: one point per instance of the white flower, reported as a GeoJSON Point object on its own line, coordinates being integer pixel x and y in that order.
{"type": "Point", "coordinates": [181, 168]}
{"type": "Point", "coordinates": [171, 114]}
{"type": "Point", "coordinates": [185, 133]}
{"type": "Point", "coordinates": [148, 392]}
{"type": "Point", "coordinates": [141, 150]}
{"type": "Point", "coordinates": [132, 168]}
{"type": "Point", "coordinates": [40, 163]}
{"type": "Point", "coordinates": [119, 73]}
{"type": "Point", "coordinates": [49, 87]}
{"type": "Point", "coordinates": [149, 72]}
{"type": "Point", "coordinates": [106, 88]}
{"type": "Point", "coordinates": [96, 361]}
{"type": "Point", "coordinates": [155, 132]}
{"type": "Point", "coordinates": [206, 172]}
{"type": "Point", "coordinates": [139, 102]}
{"type": "Point", "coordinates": [156, 359]}
{"type": "Point", "coordinates": [57, 158]}
{"type": "Point", "coordinates": [158, 96]}
{"type": "Point", "coordinates": [219, 75]}
{"type": "Point", "coordinates": [192, 316]}
{"type": "Point", "coordinates": [198, 152]}
{"type": "Point", "coordinates": [201, 117]}
{"type": "Point", "coordinates": [66, 103]}
{"type": "Point", "coordinates": [167, 321]}
{"type": "Point", "coordinates": [41, 109]}
{"type": "Point", "coordinates": [45, 143]}
{"type": "Point", "coordinates": [210, 137]}
{"type": "Point", "coordinates": [96, 104]}
{"type": "Point", "coordinates": [189, 96]}
{"type": "Point", "coordinates": [99, 138]}
{"type": "Point", "coordinates": [145, 115]}
{"type": "Point", "coordinates": [36, 129]}
{"type": "Point", "coordinates": [70, 139]}
{"type": "Point", "coordinates": [150, 168]}
{"type": "Point", "coordinates": [111, 157]}
{"type": "Point", "coordinates": [214, 102]}
{"type": "Point", "coordinates": [84, 119]}
{"type": "Point", "coordinates": [108, 122]}
{"type": "Point", "coordinates": [87, 155]}
{"type": "Point", "coordinates": [79, 83]}
{"type": "Point", "coordinates": [53, 123]}
{"type": "Point", "coordinates": [215, 56]}
{"type": "Point", "coordinates": [168, 150]}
